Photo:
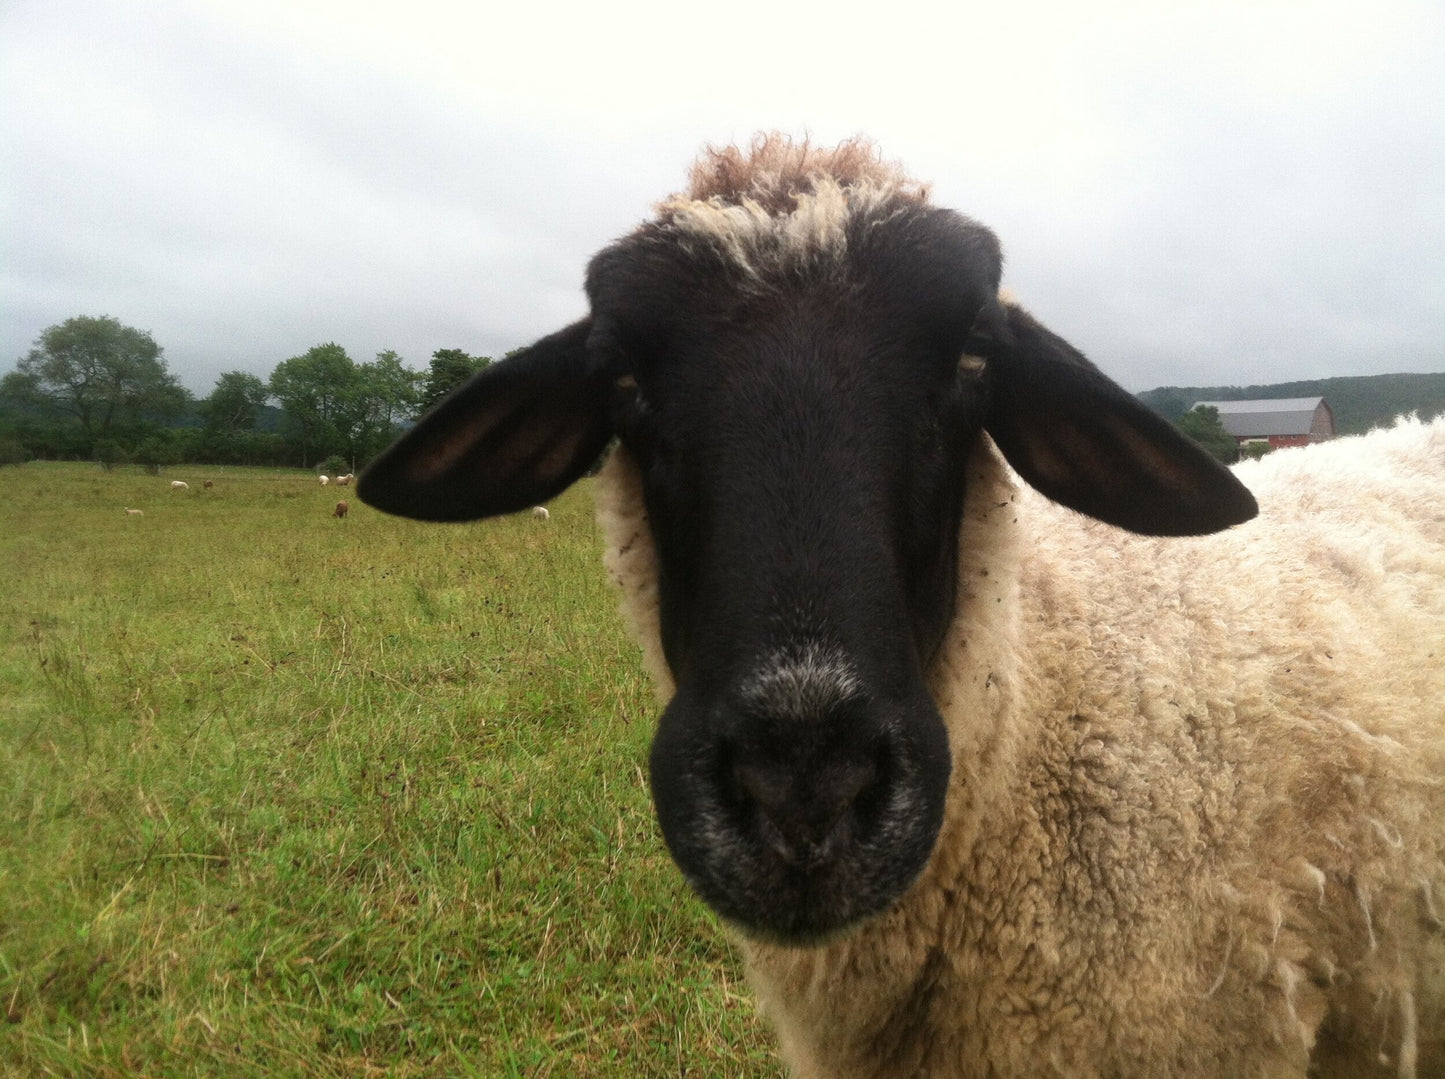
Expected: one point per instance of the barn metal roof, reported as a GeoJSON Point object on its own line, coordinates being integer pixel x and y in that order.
{"type": "Point", "coordinates": [1257, 419]}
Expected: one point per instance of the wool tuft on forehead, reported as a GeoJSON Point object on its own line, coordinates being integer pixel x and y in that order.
{"type": "Point", "coordinates": [784, 201]}
{"type": "Point", "coordinates": [776, 170]}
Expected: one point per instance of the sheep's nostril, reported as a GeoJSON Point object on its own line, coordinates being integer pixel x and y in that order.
{"type": "Point", "coordinates": [853, 779]}
{"type": "Point", "coordinates": [804, 816]}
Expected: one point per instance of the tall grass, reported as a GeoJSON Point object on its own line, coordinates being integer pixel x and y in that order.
{"type": "Point", "coordinates": [285, 794]}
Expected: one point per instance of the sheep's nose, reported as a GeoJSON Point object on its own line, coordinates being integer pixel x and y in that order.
{"type": "Point", "coordinates": [795, 823]}
{"type": "Point", "coordinates": [804, 815]}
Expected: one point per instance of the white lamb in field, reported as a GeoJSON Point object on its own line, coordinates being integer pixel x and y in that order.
{"type": "Point", "coordinates": [1009, 734]}
{"type": "Point", "coordinates": [324, 480]}
{"type": "Point", "coordinates": [133, 513]}
{"type": "Point", "coordinates": [540, 513]}
{"type": "Point", "coordinates": [180, 485]}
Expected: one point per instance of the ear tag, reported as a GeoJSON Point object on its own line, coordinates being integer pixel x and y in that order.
{"type": "Point", "coordinates": [971, 365]}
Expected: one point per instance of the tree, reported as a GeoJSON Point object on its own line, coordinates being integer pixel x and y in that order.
{"type": "Point", "coordinates": [157, 450]}
{"type": "Point", "coordinates": [13, 452]}
{"type": "Point", "coordinates": [1204, 426]}
{"type": "Point", "coordinates": [233, 404]}
{"type": "Point", "coordinates": [1169, 401]}
{"type": "Point", "coordinates": [449, 368]}
{"type": "Point", "coordinates": [335, 406]}
{"type": "Point", "coordinates": [109, 453]}
{"type": "Point", "coordinates": [318, 391]}
{"type": "Point", "coordinates": [390, 393]}
{"type": "Point", "coordinates": [98, 371]}
{"type": "Point", "coordinates": [393, 389]}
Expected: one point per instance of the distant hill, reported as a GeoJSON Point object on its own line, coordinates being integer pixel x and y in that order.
{"type": "Point", "coordinates": [1358, 402]}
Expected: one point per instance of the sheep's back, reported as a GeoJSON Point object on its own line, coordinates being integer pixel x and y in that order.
{"type": "Point", "coordinates": [1248, 731]}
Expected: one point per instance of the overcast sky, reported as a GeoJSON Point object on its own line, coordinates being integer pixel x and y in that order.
{"type": "Point", "coordinates": [1194, 194]}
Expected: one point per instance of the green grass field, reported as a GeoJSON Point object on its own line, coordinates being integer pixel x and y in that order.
{"type": "Point", "coordinates": [291, 795]}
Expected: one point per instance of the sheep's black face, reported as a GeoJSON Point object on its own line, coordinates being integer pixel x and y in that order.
{"type": "Point", "coordinates": [801, 445]}
{"type": "Point", "coordinates": [800, 395]}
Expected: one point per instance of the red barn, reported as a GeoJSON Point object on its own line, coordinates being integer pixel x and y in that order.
{"type": "Point", "coordinates": [1291, 421]}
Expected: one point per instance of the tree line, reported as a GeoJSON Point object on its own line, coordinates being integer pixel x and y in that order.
{"type": "Point", "coordinates": [96, 389]}
{"type": "Point", "coordinates": [1358, 402]}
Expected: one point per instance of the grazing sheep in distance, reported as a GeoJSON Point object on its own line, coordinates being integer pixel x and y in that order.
{"type": "Point", "coordinates": [988, 774]}
{"type": "Point", "coordinates": [344, 481]}
{"type": "Point", "coordinates": [133, 513]}
{"type": "Point", "coordinates": [340, 510]}
{"type": "Point", "coordinates": [540, 513]}
{"type": "Point", "coordinates": [180, 485]}
{"type": "Point", "coordinates": [324, 480]}
{"type": "Point", "coordinates": [208, 485]}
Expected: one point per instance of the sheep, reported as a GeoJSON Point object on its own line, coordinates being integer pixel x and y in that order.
{"type": "Point", "coordinates": [1003, 730]}
{"type": "Point", "coordinates": [180, 485]}
{"type": "Point", "coordinates": [133, 513]}
{"type": "Point", "coordinates": [208, 484]}
{"type": "Point", "coordinates": [540, 513]}
{"type": "Point", "coordinates": [324, 480]}
{"type": "Point", "coordinates": [343, 481]}
{"type": "Point", "coordinates": [340, 510]}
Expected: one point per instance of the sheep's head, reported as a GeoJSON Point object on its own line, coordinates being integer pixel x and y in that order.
{"type": "Point", "coordinates": [800, 363]}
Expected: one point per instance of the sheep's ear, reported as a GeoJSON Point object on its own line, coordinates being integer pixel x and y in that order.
{"type": "Point", "coordinates": [517, 433]}
{"type": "Point", "coordinates": [1085, 442]}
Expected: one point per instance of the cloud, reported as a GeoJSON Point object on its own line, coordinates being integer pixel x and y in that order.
{"type": "Point", "coordinates": [1210, 193]}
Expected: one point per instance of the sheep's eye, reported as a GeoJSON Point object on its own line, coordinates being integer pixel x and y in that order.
{"type": "Point", "coordinates": [633, 418]}
{"type": "Point", "coordinates": [629, 398]}
{"type": "Point", "coordinates": [971, 365]}
{"type": "Point", "coordinates": [626, 393]}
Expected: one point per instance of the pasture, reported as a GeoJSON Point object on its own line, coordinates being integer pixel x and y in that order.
{"type": "Point", "coordinates": [292, 795]}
